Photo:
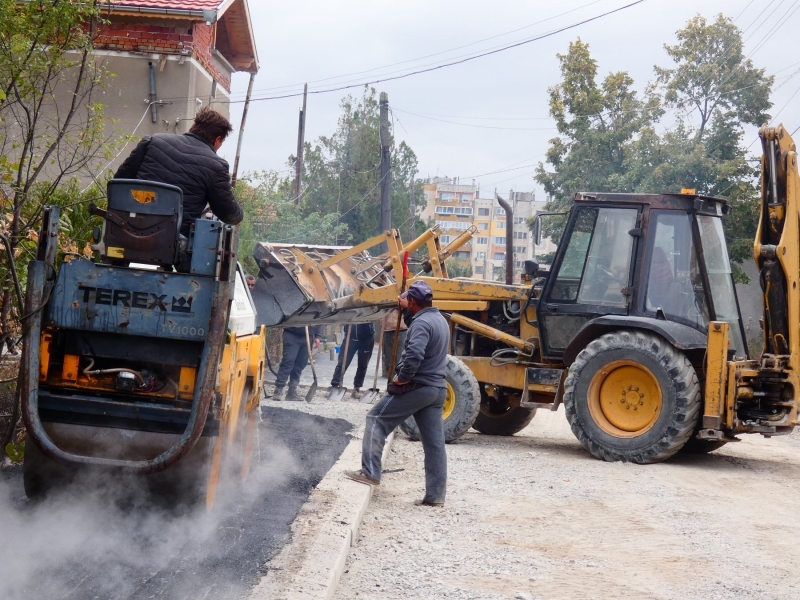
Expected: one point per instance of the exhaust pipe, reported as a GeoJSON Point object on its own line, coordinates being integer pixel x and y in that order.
{"type": "Point", "coordinates": [153, 104]}
{"type": "Point", "coordinates": [509, 239]}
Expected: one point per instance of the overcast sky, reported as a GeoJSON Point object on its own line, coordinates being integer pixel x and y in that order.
{"type": "Point", "coordinates": [496, 105]}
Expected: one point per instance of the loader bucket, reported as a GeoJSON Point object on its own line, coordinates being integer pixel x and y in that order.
{"type": "Point", "coordinates": [298, 285]}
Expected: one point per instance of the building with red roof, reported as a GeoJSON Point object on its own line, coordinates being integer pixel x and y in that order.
{"type": "Point", "coordinates": [179, 52]}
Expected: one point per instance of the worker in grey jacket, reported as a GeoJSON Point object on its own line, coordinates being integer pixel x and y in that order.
{"type": "Point", "coordinates": [419, 390]}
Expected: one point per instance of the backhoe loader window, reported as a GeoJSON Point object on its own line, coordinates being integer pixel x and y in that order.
{"type": "Point", "coordinates": [674, 283]}
{"type": "Point", "coordinates": [609, 263]}
{"type": "Point", "coordinates": [715, 251]}
{"type": "Point", "coordinates": [569, 274]}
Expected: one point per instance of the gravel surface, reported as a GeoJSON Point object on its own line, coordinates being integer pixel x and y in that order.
{"type": "Point", "coordinates": [80, 545]}
{"type": "Point", "coordinates": [534, 516]}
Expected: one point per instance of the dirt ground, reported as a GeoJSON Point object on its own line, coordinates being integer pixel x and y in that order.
{"type": "Point", "coordinates": [535, 516]}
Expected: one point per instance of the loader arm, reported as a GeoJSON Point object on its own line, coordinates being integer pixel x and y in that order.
{"type": "Point", "coordinates": [762, 395]}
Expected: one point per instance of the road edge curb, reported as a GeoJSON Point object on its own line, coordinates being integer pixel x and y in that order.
{"type": "Point", "coordinates": [326, 527]}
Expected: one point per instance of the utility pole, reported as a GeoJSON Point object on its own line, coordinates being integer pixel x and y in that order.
{"type": "Point", "coordinates": [241, 130]}
{"type": "Point", "coordinates": [301, 135]}
{"type": "Point", "coordinates": [413, 205]}
{"type": "Point", "coordinates": [386, 182]}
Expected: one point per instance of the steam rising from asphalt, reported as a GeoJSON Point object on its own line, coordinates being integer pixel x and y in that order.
{"type": "Point", "coordinates": [101, 540]}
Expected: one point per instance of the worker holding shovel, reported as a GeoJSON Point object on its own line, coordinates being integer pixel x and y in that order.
{"type": "Point", "coordinates": [419, 390]}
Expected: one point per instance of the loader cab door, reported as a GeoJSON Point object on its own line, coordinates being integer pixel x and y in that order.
{"type": "Point", "coordinates": [591, 275]}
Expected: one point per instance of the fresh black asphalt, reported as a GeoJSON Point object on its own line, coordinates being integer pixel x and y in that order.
{"type": "Point", "coordinates": [80, 545]}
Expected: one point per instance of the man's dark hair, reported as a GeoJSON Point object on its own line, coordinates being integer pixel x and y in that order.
{"type": "Point", "coordinates": [210, 125]}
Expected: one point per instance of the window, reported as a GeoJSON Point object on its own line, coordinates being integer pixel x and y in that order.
{"type": "Point", "coordinates": [481, 241]}
{"type": "Point", "coordinates": [446, 239]}
{"type": "Point", "coordinates": [461, 211]}
{"type": "Point", "coordinates": [519, 220]}
{"type": "Point", "coordinates": [520, 235]}
{"type": "Point", "coordinates": [520, 249]}
{"type": "Point", "coordinates": [446, 196]}
{"type": "Point", "coordinates": [478, 270]}
{"type": "Point", "coordinates": [596, 264]}
{"type": "Point", "coordinates": [498, 239]}
{"type": "Point", "coordinates": [459, 225]}
{"type": "Point", "coordinates": [480, 255]}
{"type": "Point", "coordinates": [483, 212]}
{"type": "Point", "coordinates": [483, 226]}
{"type": "Point", "coordinates": [500, 224]}
{"type": "Point", "coordinates": [499, 255]}
{"type": "Point", "coordinates": [460, 255]}
{"type": "Point", "coordinates": [466, 197]}
{"type": "Point", "coordinates": [499, 211]}
{"type": "Point", "coordinates": [518, 263]}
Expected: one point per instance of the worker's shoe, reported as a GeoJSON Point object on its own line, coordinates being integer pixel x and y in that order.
{"type": "Point", "coordinates": [277, 393]}
{"type": "Point", "coordinates": [291, 395]}
{"type": "Point", "coordinates": [356, 394]}
{"type": "Point", "coordinates": [361, 477]}
{"type": "Point", "coordinates": [428, 503]}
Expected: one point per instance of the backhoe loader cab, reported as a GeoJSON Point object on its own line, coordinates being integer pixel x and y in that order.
{"type": "Point", "coordinates": [654, 262]}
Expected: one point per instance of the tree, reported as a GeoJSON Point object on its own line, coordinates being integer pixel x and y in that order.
{"type": "Point", "coordinates": [342, 172]}
{"type": "Point", "coordinates": [596, 124]}
{"type": "Point", "coordinates": [458, 268]}
{"type": "Point", "coordinates": [710, 75]}
{"type": "Point", "coordinates": [51, 127]}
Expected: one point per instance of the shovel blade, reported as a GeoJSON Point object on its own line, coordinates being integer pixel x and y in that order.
{"type": "Point", "coordinates": [311, 391]}
{"type": "Point", "coordinates": [370, 396]}
{"type": "Point", "coordinates": [337, 394]}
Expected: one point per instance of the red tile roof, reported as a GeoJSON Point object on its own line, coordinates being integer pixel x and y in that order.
{"type": "Point", "coordinates": [171, 4]}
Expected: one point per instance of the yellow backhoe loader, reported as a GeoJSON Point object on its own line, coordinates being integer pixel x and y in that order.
{"type": "Point", "coordinates": [635, 328]}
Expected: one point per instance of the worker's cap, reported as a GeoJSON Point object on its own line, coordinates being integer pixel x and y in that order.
{"type": "Point", "coordinates": [419, 290]}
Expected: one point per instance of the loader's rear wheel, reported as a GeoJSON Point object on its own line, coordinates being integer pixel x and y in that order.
{"type": "Point", "coordinates": [630, 396]}
{"type": "Point", "coordinates": [461, 404]}
{"type": "Point", "coordinates": [500, 416]}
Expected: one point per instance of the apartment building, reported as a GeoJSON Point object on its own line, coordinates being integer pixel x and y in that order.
{"type": "Point", "coordinates": [450, 205]}
{"type": "Point", "coordinates": [455, 206]}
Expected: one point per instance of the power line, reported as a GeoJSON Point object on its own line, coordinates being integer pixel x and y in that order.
{"type": "Point", "coordinates": [294, 85]}
{"type": "Point", "coordinates": [451, 63]}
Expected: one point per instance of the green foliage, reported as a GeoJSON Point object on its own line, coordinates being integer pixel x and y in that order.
{"type": "Point", "coordinates": [15, 453]}
{"type": "Point", "coordinates": [270, 215]}
{"type": "Point", "coordinates": [609, 139]}
{"type": "Point", "coordinates": [340, 200]}
{"type": "Point", "coordinates": [342, 172]}
{"type": "Point", "coordinates": [458, 268]}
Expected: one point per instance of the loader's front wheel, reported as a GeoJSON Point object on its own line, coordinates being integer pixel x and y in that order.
{"type": "Point", "coordinates": [630, 396]}
{"type": "Point", "coordinates": [461, 405]}
{"type": "Point", "coordinates": [499, 416]}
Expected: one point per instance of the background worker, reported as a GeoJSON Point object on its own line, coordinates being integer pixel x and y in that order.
{"type": "Point", "coordinates": [295, 359]}
{"type": "Point", "coordinates": [387, 345]}
{"type": "Point", "coordinates": [190, 162]}
{"type": "Point", "coordinates": [362, 341]}
{"type": "Point", "coordinates": [419, 390]}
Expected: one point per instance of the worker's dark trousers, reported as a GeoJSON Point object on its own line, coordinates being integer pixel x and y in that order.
{"type": "Point", "coordinates": [388, 344]}
{"type": "Point", "coordinates": [364, 350]}
{"type": "Point", "coordinates": [425, 405]}
{"type": "Point", "coordinates": [295, 359]}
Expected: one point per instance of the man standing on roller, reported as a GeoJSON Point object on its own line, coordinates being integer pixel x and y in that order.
{"type": "Point", "coordinates": [419, 390]}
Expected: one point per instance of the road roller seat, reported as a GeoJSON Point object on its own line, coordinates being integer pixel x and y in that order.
{"type": "Point", "coordinates": [142, 223]}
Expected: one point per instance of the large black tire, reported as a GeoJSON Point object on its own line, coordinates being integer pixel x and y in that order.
{"type": "Point", "coordinates": [498, 417]}
{"type": "Point", "coordinates": [463, 405]}
{"type": "Point", "coordinates": [638, 370]}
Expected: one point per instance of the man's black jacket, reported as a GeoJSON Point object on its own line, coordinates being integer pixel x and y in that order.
{"type": "Point", "coordinates": [189, 162]}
